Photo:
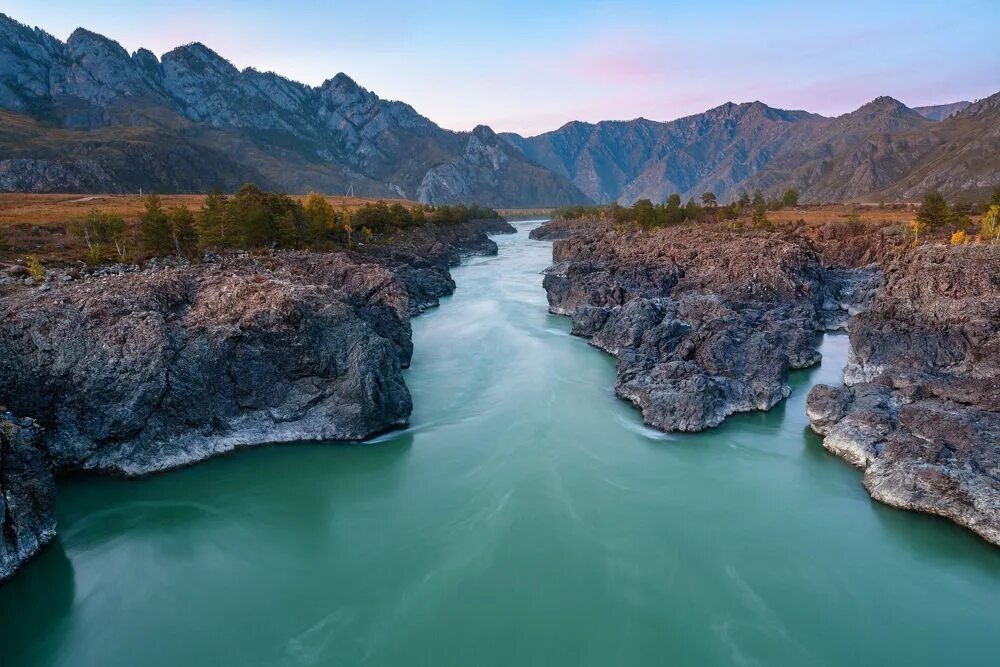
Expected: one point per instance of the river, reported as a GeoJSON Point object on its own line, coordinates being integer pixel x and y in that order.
{"type": "Point", "coordinates": [527, 517]}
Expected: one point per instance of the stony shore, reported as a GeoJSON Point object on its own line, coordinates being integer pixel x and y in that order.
{"type": "Point", "coordinates": [139, 371]}
{"type": "Point", "coordinates": [919, 411]}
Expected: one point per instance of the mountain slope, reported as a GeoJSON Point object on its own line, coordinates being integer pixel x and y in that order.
{"type": "Point", "coordinates": [154, 116]}
{"type": "Point", "coordinates": [86, 115]}
{"type": "Point", "coordinates": [942, 111]}
{"type": "Point", "coordinates": [883, 148]}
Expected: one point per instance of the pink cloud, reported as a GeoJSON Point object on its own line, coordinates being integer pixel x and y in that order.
{"type": "Point", "coordinates": [622, 57]}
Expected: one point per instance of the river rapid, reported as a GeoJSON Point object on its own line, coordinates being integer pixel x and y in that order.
{"type": "Point", "coordinates": [527, 517]}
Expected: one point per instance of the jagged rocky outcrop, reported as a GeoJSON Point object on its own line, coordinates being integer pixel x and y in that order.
{"type": "Point", "coordinates": [919, 411]}
{"type": "Point", "coordinates": [85, 115]}
{"type": "Point", "coordinates": [27, 494]}
{"type": "Point", "coordinates": [493, 172]}
{"type": "Point", "coordinates": [145, 371]}
{"type": "Point", "coordinates": [703, 322]}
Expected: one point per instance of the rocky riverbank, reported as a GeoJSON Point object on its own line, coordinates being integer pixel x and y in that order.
{"type": "Point", "coordinates": [143, 371]}
{"type": "Point", "coordinates": [920, 409]}
{"type": "Point", "coordinates": [27, 494]}
{"type": "Point", "coordinates": [704, 322]}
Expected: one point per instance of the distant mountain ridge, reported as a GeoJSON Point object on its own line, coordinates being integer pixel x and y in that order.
{"type": "Point", "coordinates": [86, 116]}
{"type": "Point", "coordinates": [142, 121]}
{"type": "Point", "coordinates": [942, 111]}
{"type": "Point", "coordinates": [883, 149]}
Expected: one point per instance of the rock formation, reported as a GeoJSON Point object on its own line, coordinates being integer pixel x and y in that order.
{"type": "Point", "coordinates": [27, 494]}
{"type": "Point", "coordinates": [920, 409]}
{"type": "Point", "coordinates": [704, 322]}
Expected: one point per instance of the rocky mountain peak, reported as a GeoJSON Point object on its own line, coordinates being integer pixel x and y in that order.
{"type": "Point", "coordinates": [83, 40]}
{"type": "Point", "coordinates": [198, 59]}
{"type": "Point", "coordinates": [985, 105]}
{"type": "Point", "coordinates": [485, 134]}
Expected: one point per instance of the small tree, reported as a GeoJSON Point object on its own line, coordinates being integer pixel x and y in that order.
{"type": "Point", "coordinates": [995, 197]}
{"type": "Point", "coordinates": [709, 200]}
{"type": "Point", "coordinates": [758, 200]}
{"type": "Point", "coordinates": [183, 232]}
{"type": "Point", "coordinates": [934, 211]}
{"type": "Point", "coordinates": [345, 220]}
{"type": "Point", "coordinates": [790, 198]}
{"type": "Point", "coordinates": [759, 218]}
{"type": "Point", "coordinates": [989, 224]}
{"type": "Point", "coordinates": [320, 218]}
{"type": "Point", "coordinates": [917, 227]}
{"type": "Point", "coordinates": [744, 199]}
{"type": "Point", "coordinates": [213, 222]}
{"type": "Point", "coordinates": [692, 211]}
{"type": "Point", "coordinates": [155, 232]}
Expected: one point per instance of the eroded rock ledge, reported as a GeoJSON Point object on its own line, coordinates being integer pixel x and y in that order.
{"type": "Point", "coordinates": [704, 322]}
{"type": "Point", "coordinates": [27, 494]}
{"type": "Point", "coordinates": [920, 412]}
{"type": "Point", "coordinates": [137, 373]}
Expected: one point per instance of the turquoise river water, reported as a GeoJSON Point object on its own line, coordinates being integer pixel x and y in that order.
{"type": "Point", "coordinates": [527, 517]}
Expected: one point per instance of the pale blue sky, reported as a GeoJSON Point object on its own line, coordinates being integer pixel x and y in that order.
{"type": "Point", "coordinates": [532, 66]}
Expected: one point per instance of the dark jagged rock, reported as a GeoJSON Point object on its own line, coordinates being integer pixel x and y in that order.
{"type": "Point", "coordinates": [27, 494]}
{"type": "Point", "coordinates": [704, 323]}
{"type": "Point", "coordinates": [145, 371]}
{"type": "Point", "coordinates": [920, 412]}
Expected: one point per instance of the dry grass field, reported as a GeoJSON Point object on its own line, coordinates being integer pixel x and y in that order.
{"type": "Point", "coordinates": [37, 224]}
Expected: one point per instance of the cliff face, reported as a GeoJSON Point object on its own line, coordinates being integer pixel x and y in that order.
{"type": "Point", "coordinates": [27, 494]}
{"type": "Point", "coordinates": [140, 372]}
{"type": "Point", "coordinates": [920, 412]}
{"type": "Point", "coordinates": [238, 125]}
{"type": "Point", "coordinates": [704, 323]}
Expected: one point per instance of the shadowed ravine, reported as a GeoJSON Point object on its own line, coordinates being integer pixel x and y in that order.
{"type": "Point", "coordinates": [527, 517]}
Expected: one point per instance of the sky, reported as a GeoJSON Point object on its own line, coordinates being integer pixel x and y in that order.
{"type": "Point", "coordinates": [530, 66]}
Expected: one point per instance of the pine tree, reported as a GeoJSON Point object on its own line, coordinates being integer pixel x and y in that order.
{"type": "Point", "coordinates": [183, 232]}
{"type": "Point", "coordinates": [934, 211]}
{"type": "Point", "coordinates": [155, 232]}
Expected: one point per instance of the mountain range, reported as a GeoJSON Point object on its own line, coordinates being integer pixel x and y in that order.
{"type": "Point", "coordinates": [86, 116]}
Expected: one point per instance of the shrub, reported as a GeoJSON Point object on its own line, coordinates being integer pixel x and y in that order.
{"type": "Point", "coordinates": [960, 238]}
{"type": "Point", "coordinates": [759, 218]}
{"type": "Point", "coordinates": [35, 268]}
{"type": "Point", "coordinates": [100, 230]}
{"type": "Point", "coordinates": [917, 227]}
{"type": "Point", "coordinates": [989, 224]}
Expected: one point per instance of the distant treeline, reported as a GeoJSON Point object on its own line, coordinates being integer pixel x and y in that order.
{"type": "Point", "coordinates": [935, 214]}
{"type": "Point", "coordinates": [254, 219]}
{"type": "Point", "coordinates": [672, 212]}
